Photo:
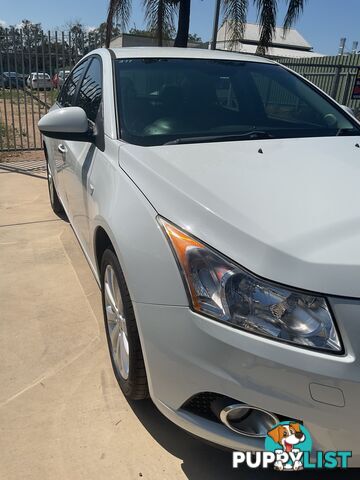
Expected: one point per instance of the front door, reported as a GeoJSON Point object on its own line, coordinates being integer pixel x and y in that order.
{"type": "Point", "coordinates": [80, 156]}
{"type": "Point", "coordinates": [60, 150]}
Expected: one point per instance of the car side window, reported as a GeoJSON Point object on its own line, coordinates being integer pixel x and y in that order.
{"type": "Point", "coordinates": [68, 91]}
{"type": "Point", "coordinates": [90, 93]}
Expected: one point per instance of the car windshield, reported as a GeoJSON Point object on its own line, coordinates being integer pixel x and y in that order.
{"type": "Point", "coordinates": [175, 100]}
{"type": "Point", "coordinates": [41, 75]}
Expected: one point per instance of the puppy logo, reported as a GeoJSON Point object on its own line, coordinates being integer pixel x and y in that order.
{"type": "Point", "coordinates": [287, 435]}
{"type": "Point", "coordinates": [288, 440]}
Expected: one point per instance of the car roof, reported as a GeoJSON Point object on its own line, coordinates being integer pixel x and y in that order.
{"type": "Point", "coordinates": [171, 52]}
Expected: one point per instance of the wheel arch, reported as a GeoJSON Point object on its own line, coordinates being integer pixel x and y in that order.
{"type": "Point", "coordinates": [102, 242]}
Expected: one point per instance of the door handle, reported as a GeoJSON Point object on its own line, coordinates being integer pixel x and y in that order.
{"type": "Point", "coordinates": [91, 188]}
{"type": "Point", "coordinates": [62, 149]}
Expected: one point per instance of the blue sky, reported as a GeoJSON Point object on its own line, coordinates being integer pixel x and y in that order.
{"type": "Point", "coordinates": [323, 23]}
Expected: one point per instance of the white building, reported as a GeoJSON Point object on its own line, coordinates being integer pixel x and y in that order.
{"type": "Point", "coordinates": [291, 45]}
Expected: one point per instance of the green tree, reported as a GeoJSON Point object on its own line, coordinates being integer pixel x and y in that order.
{"type": "Point", "coordinates": [101, 31]}
{"type": "Point", "coordinates": [160, 14]}
{"type": "Point", "coordinates": [119, 10]}
{"type": "Point", "coordinates": [140, 32]}
{"type": "Point", "coordinates": [76, 41]}
{"type": "Point", "coordinates": [168, 35]}
{"type": "Point", "coordinates": [31, 32]}
{"type": "Point", "coordinates": [159, 17]}
{"type": "Point", "coordinates": [235, 12]}
{"type": "Point", "coordinates": [194, 37]}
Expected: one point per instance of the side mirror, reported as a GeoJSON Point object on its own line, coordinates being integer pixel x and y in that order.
{"type": "Point", "coordinates": [68, 123]}
{"type": "Point", "coordinates": [348, 110]}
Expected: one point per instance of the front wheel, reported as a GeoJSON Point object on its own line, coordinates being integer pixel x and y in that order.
{"type": "Point", "coordinates": [121, 330]}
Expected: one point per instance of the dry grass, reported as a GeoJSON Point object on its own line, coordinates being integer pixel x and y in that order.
{"type": "Point", "coordinates": [19, 115]}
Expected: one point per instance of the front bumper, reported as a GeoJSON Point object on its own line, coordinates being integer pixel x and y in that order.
{"type": "Point", "coordinates": [186, 354]}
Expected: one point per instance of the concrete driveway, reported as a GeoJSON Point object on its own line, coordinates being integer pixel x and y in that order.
{"type": "Point", "coordinates": [62, 415]}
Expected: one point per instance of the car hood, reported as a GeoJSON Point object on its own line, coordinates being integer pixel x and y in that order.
{"type": "Point", "coordinates": [286, 209]}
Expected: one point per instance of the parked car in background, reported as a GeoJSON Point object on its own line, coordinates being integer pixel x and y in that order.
{"type": "Point", "coordinates": [59, 78]}
{"type": "Point", "coordinates": [11, 79]}
{"type": "Point", "coordinates": [221, 220]}
{"type": "Point", "coordinates": [39, 80]}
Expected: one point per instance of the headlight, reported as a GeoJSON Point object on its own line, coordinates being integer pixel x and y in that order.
{"type": "Point", "coordinates": [223, 290]}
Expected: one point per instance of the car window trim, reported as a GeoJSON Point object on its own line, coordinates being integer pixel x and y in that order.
{"type": "Point", "coordinates": [115, 102]}
{"type": "Point", "coordinates": [86, 59]}
{"type": "Point", "coordinates": [99, 120]}
{"type": "Point", "coordinates": [92, 57]}
{"type": "Point", "coordinates": [77, 89]}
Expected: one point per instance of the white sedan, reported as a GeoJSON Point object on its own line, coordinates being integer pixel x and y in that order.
{"type": "Point", "coordinates": [39, 80]}
{"type": "Point", "coordinates": [220, 218]}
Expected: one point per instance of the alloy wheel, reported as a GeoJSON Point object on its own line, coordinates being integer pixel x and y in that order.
{"type": "Point", "coordinates": [116, 323]}
{"type": "Point", "coordinates": [51, 185]}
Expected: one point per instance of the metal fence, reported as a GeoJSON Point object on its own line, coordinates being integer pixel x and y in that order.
{"type": "Point", "coordinates": [49, 55]}
{"type": "Point", "coordinates": [33, 66]}
{"type": "Point", "coordinates": [335, 75]}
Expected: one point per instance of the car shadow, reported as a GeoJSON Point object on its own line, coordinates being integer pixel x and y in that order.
{"type": "Point", "coordinates": [199, 459]}
{"type": "Point", "coordinates": [62, 216]}
{"type": "Point", "coordinates": [209, 462]}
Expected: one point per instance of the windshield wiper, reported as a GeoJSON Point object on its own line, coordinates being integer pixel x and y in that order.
{"type": "Point", "coordinates": [252, 135]}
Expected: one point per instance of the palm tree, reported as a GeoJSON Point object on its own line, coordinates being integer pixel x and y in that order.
{"type": "Point", "coordinates": [183, 23]}
{"type": "Point", "coordinates": [121, 10]}
{"type": "Point", "coordinates": [159, 16]}
{"type": "Point", "coordinates": [235, 12]}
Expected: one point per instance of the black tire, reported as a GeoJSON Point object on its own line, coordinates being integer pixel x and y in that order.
{"type": "Point", "coordinates": [135, 386]}
{"type": "Point", "coordinates": [55, 203]}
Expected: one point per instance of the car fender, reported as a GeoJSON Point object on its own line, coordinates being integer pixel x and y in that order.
{"type": "Point", "coordinates": [124, 213]}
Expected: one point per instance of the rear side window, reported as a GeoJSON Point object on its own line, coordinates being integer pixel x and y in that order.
{"type": "Point", "coordinates": [67, 94]}
{"type": "Point", "coordinates": [90, 93]}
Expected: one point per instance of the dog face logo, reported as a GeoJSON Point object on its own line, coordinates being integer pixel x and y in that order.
{"type": "Point", "coordinates": [288, 440]}
{"type": "Point", "coordinates": [287, 436]}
